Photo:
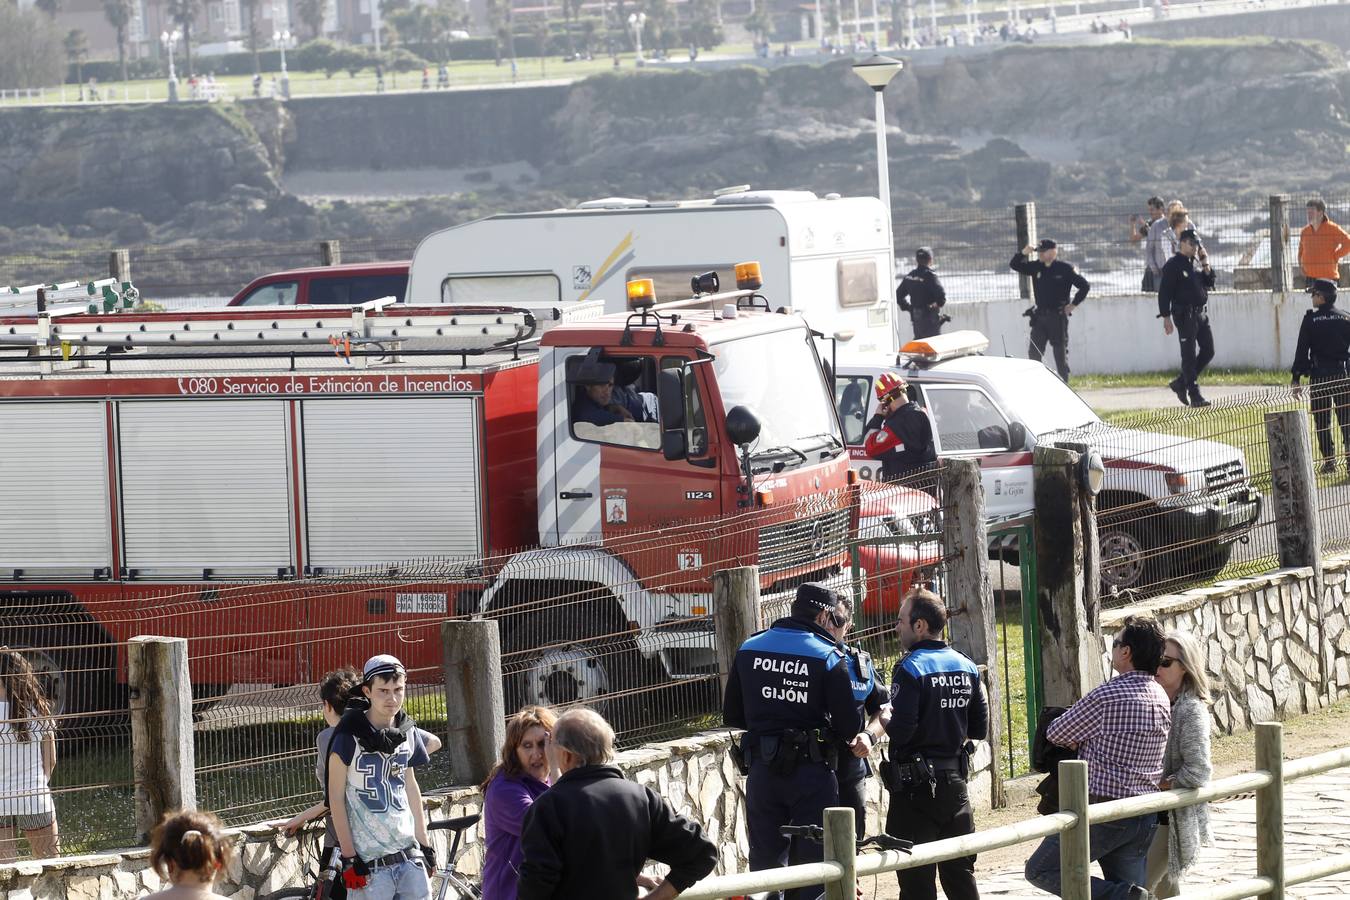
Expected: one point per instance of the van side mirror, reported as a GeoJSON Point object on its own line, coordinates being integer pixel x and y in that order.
{"type": "Point", "coordinates": [742, 426]}
{"type": "Point", "coordinates": [1017, 436]}
{"type": "Point", "coordinates": [670, 399]}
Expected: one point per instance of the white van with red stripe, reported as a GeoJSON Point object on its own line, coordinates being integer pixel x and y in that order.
{"type": "Point", "coordinates": [1169, 506]}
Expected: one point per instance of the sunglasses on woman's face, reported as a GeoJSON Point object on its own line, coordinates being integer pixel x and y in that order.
{"type": "Point", "coordinates": [1166, 662]}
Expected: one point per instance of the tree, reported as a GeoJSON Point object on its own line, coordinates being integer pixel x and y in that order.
{"type": "Point", "coordinates": [496, 21]}
{"type": "Point", "coordinates": [184, 13]}
{"type": "Point", "coordinates": [30, 49]}
{"type": "Point", "coordinates": [50, 7]}
{"type": "Point", "coordinates": [571, 8]}
{"type": "Point", "coordinates": [76, 46]}
{"type": "Point", "coordinates": [703, 31]}
{"type": "Point", "coordinates": [310, 12]}
{"type": "Point", "coordinates": [119, 13]}
{"type": "Point", "coordinates": [250, 8]}
{"type": "Point", "coordinates": [759, 23]}
{"type": "Point", "coordinates": [658, 21]}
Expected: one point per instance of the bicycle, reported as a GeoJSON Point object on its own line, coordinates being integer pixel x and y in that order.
{"type": "Point", "coordinates": [454, 885]}
{"type": "Point", "coordinates": [816, 833]}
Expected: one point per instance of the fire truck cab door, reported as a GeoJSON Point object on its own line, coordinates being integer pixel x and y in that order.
{"type": "Point", "coordinates": [570, 505]}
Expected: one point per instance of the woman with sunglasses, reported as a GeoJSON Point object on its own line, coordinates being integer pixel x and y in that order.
{"type": "Point", "coordinates": [1181, 832]}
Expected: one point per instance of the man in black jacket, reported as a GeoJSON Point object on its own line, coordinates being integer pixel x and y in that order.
{"type": "Point", "coordinates": [1051, 280]}
{"type": "Point", "coordinates": [1323, 354]}
{"type": "Point", "coordinates": [921, 295]}
{"type": "Point", "coordinates": [592, 832]}
{"type": "Point", "coordinates": [1183, 292]}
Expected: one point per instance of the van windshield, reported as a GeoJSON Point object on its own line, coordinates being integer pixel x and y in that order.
{"type": "Point", "coordinates": [779, 378]}
{"type": "Point", "coordinates": [1042, 402]}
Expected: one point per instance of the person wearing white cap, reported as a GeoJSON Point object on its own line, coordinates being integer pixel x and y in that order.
{"type": "Point", "coordinates": [373, 792]}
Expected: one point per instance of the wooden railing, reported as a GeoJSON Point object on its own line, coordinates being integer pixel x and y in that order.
{"type": "Point", "coordinates": [842, 866]}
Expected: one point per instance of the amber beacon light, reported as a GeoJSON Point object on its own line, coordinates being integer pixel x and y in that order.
{"type": "Point", "coordinates": [641, 293]}
{"type": "Point", "coordinates": [748, 277]}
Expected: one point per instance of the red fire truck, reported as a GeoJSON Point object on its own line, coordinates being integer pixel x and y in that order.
{"type": "Point", "coordinates": [295, 489]}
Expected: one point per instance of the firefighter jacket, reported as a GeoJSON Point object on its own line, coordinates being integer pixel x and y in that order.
{"type": "Point", "coordinates": [902, 441]}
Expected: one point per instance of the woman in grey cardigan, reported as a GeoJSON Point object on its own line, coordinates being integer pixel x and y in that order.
{"type": "Point", "coordinates": [1177, 842]}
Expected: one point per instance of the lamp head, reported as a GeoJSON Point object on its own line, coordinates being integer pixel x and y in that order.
{"type": "Point", "coordinates": [878, 70]}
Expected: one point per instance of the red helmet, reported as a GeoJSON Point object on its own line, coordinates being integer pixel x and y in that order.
{"type": "Point", "coordinates": [889, 383]}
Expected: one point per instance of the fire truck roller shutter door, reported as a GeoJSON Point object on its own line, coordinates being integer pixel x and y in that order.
{"type": "Point", "coordinates": [390, 479]}
{"type": "Point", "coordinates": [49, 451]}
{"type": "Point", "coordinates": [205, 485]}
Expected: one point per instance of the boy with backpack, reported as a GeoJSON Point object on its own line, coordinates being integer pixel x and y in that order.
{"type": "Point", "coordinates": [373, 794]}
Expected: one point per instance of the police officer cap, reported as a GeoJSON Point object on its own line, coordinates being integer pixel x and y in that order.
{"type": "Point", "coordinates": [1045, 244]}
{"type": "Point", "coordinates": [923, 253]}
{"type": "Point", "coordinates": [814, 599]}
{"type": "Point", "coordinates": [1189, 234]}
{"type": "Point", "coordinates": [1324, 286]}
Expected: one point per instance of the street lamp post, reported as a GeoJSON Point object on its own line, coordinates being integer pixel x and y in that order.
{"type": "Point", "coordinates": [637, 21]}
{"type": "Point", "coordinates": [281, 39]}
{"type": "Point", "coordinates": [170, 40]}
{"type": "Point", "coordinates": [877, 71]}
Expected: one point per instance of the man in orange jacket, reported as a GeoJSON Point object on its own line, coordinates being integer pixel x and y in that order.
{"type": "Point", "coordinates": [1321, 245]}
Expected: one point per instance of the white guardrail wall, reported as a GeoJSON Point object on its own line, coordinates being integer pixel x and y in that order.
{"type": "Point", "coordinates": [1113, 335]}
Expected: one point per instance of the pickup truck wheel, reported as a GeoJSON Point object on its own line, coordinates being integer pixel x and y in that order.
{"type": "Point", "coordinates": [557, 658]}
{"type": "Point", "coordinates": [1125, 557]}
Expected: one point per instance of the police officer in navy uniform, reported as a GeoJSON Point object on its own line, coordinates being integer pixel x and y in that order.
{"type": "Point", "coordinates": [873, 702]}
{"type": "Point", "coordinates": [1183, 292]}
{"type": "Point", "coordinates": [1323, 355]}
{"type": "Point", "coordinates": [938, 706]}
{"type": "Point", "coordinates": [789, 688]}
{"type": "Point", "coordinates": [900, 434]}
{"type": "Point", "coordinates": [921, 295]}
{"type": "Point", "coordinates": [1051, 281]}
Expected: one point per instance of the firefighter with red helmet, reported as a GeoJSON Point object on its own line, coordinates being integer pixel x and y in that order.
{"type": "Point", "coordinates": [900, 434]}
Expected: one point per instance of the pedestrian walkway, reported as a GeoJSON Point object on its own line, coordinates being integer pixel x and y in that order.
{"type": "Point", "coordinates": [1316, 828]}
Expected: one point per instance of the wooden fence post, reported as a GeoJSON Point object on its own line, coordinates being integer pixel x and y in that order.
{"type": "Point", "coordinates": [330, 253]}
{"type": "Point", "coordinates": [475, 710]}
{"type": "Point", "coordinates": [841, 846]}
{"type": "Point", "coordinates": [970, 591]}
{"type": "Point", "coordinates": [1281, 270]}
{"type": "Point", "coordinates": [162, 759]}
{"type": "Point", "coordinates": [736, 614]}
{"type": "Point", "coordinates": [1070, 645]}
{"type": "Point", "coordinates": [1075, 856]}
{"type": "Point", "coordinates": [1025, 214]}
{"type": "Point", "coordinates": [119, 265]}
{"type": "Point", "coordinates": [1298, 527]}
{"type": "Point", "coordinates": [1270, 808]}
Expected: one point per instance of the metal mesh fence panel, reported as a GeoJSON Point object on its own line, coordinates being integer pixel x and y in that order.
{"type": "Point", "coordinates": [1192, 503]}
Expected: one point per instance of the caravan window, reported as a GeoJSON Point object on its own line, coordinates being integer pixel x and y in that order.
{"type": "Point", "coordinates": [672, 282]}
{"type": "Point", "coordinates": [858, 282]}
{"type": "Point", "coordinates": [501, 290]}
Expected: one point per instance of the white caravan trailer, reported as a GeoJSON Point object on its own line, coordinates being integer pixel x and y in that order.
{"type": "Point", "coordinates": [829, 259]}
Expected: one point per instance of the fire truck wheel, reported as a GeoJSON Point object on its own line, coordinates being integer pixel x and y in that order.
{"type": "Point", "coordinates": [92, 703]}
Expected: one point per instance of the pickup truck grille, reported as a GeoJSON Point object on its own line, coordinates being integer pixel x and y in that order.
{"type": "Point", "coordinates": [1225, 475]}
{"type": "Point", "coordinates": [802, 541]}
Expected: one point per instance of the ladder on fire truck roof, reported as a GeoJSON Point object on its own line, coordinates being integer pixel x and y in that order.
{"type": "Point", "coordinates": [356, 334]}
{"type": "Point", "coordinates": [103, 295]}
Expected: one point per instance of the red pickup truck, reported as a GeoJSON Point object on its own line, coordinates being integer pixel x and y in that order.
{"type": "Point", "coordinates": [342, 285]}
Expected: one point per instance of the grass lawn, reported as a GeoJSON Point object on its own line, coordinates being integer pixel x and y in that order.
{"type": "Point", "coordinates": [464, 73]}
{"type": "Point", "coordinates": [1236, 377]}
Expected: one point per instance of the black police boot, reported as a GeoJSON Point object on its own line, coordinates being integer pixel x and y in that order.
{"type": "Point", "coordinates": [1180, 390]}
{"type": "Point", "coordinates": [1195, 398]}
{"type": "Point", "coordinates": [1328, 467]}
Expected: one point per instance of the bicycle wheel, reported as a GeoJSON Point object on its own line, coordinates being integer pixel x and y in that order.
{"type": "Point", "coordinates": [455, 886]}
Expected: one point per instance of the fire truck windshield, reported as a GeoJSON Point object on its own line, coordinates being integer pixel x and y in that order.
{"type": "Point", "coordinates": [779, 378]}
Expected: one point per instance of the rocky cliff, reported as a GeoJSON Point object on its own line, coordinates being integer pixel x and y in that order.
{"type": "Point", "coordinates": [1089, 123]}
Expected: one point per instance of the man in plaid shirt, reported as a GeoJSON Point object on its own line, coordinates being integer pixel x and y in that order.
{"type": "Point", "coordinates": [1120, 729]}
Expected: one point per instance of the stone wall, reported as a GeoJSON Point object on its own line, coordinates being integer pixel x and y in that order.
{"type": "Point", "coordinates": [694, 774]}
{"type": "Point", "coordinates": [1329, 23]}
{"type": "Point", "coordinates": [1274, 649]}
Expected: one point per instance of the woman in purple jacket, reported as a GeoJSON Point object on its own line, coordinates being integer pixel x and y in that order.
{"type": "Point", "coordinates": [511, 787]}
